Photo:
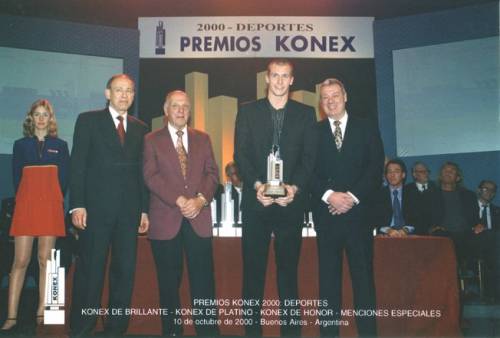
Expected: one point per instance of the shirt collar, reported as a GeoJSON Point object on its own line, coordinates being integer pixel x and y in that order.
{"type": "Point", "coordinates": [173, 130]}
{"type": "Point", "coordinates": [421, 186]}
{"type": "Point", "coordinates": [343, 120]}
{"type": "Point", "coordinates": [399, 189]}
{"type": "Point", "coordinates": [481, 204]}
{"type": "Point", "coordinates": [115, 114]}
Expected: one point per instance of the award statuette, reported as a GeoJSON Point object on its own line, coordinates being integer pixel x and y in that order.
{"type": "Point", "coordinates": [54, 290]}
{"type": "Point", "coordinates": [274, 186]}
{"type": "Point", "coordinates": [160, 39]}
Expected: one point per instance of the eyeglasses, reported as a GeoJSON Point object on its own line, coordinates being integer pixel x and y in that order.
{"type": "Point", "coordinates": [485, 189]}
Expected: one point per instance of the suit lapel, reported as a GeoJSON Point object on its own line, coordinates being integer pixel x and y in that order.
{"type": "Point", "coordinates": [108, 131]}
{"type": "Point", "coordinates": [388, 203]}
{"type": "Point", "coordinates": [288, 123]}
{"type": "Point", "coordinates": [167, 143]}
{"type": "Point", "coordinates": [192, 146]}
{"type": "Point", "coordinates": [265, 124]}
{"type": "Point", "coordinates": [328, 135]}
{"type": "Point", "coordinates": [495, 216]}
{"type": "Point", "coordinates": [349, 134]}
{"type": "Point", "coordinates": [130, 134]}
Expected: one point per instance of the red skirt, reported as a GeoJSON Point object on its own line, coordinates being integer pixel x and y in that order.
{"type": "Point", "coordinates": [39, 203]}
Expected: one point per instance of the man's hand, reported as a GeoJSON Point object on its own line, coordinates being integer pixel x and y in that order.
{"type": "Point", "coordinates": [144, 226]}
{"type": "Point", "coordinates": [436, 228]}
{"type": "Point", "coordinates": [478, 228]}
{"type": "Point", "coordinates": [264, 200]}
{"type": "Point", "coordinates": [79, 218]}
{"type": "Point", "coordinates": [192, 207]}
{"type": "Point", "coordinates": [339, 203]}
{"type": "Point", "coordinates": [291, 190]}
{"type": "Point", "coordinates": [181, 200]}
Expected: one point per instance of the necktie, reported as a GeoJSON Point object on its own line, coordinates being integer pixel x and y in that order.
{"type": "Point", "coordinates": [484, 217]}
{"type": "Point", "coordinates": [121, 130]}
{"type": "Point", "coordinates": [396, 211]}
{"type": "Point", "coordinates": [337, 133]}
{"type": "Point", "coordinates": [181, 152]}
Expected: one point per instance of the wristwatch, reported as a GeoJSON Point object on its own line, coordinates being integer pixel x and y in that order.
{"type": "Point", "coordinates": [200, 195]}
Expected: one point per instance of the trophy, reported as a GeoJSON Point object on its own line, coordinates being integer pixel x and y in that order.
{"type": "Point", "coordinates": [160, 39]}
{"type": "Point", "coordinates": [274, 186]}
{"type": "Point", "coordinates": [54, 290]}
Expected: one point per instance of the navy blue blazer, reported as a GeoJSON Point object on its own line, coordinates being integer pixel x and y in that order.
{"type": "Point", "coordinates": [25, 153]}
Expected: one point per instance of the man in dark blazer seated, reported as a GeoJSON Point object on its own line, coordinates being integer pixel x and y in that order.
{"type": "Point", "coordinates": [261, 127]}
{"type": "Point", "coordinates": [348, 171]}
{"type": "Point", "coordinates": [392, 214]}
{"type": "Point", "coordinates": [421, 195]}
{"type": "Point", "coordinates": [485, 241]}
{"type": "Point", "coordinates": [231, 171]}
{"type": "Point", "coordinates": [233, 178]}
{"type": "Point", "coordinates": [182, 176]}
{"type": "Point", "coordinates": [108, 203]}
{"type": "Point", "coordinates": [455, 211]}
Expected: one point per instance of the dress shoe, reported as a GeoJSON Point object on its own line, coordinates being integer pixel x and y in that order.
{"type": "Point", "coordinates": [11, 330]}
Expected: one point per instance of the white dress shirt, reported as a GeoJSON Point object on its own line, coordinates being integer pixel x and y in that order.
{"type": "Point", "coordinates": [115, 114]}
{"type": "Point", "coordinates": [488, 215]}
{"type": "Point", "coordinates": [173, 134]}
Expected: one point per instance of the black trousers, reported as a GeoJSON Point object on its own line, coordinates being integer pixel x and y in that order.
{"type": "Point", "coordinates": [169, 260]}
{"type": "Point", "coordinates": [256, 236]}
{"type": "Point", "coordinates": [95, 242]}
{"type": "Point", "coordinates": [486, 246]}
{"type": "Point", "coordinates": [357, 241]}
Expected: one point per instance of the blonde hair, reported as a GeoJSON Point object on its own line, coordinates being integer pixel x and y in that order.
{"type": "Point", "coordinates": [29, 124]}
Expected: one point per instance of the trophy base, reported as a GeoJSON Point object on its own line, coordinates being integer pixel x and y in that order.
{"type": "Point", "coordinates": [274, 191]}
{"type": "Point", "coordinates": [54, 316]}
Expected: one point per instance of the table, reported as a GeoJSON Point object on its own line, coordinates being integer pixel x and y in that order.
{"type": "Point", "coordinates": [417, 273]}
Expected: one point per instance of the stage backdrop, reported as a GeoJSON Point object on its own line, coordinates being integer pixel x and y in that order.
{"type": "Point", "coordinates": [221, 61]}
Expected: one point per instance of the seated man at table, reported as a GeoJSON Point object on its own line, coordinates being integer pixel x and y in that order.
{"type": "Point", "coordinates": [455, 211]}
{"type": "Point", "coordinates": [236, 188]}
{"type": "Point", "coordinates": [421, 195]}
{"type": "Point", "coordinates": [234, 180]}
{"type": "Point", "coordinates": [391, 212]}
{"type": "Point", "coordinates": [485, 239]}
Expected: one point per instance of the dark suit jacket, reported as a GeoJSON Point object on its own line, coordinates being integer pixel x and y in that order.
{"type": "Point", "coordinates": [382, 208]}
{"type": "Point", "coordinates": [421, 205]}
{"type": "Point", "coordinates": [218, 200]}
{"type": "Point", "coordinates": [163, 176]}
{"type": "Point", "coordinates": [25, 153]}
{"type": "Point", "coordinates": [356, 168]}
{"type": "Point", "coordinates": [468, 207]}
{"type": "Point", "coordinates": [106, 178]}
{"type": "Point", "coordinates": [253, 142]}
{"type": "Point", "coordinates": [495, 217]}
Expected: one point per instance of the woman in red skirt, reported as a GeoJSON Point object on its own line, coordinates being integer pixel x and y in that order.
{"type": "Point", "coordinates": [40, 162]}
